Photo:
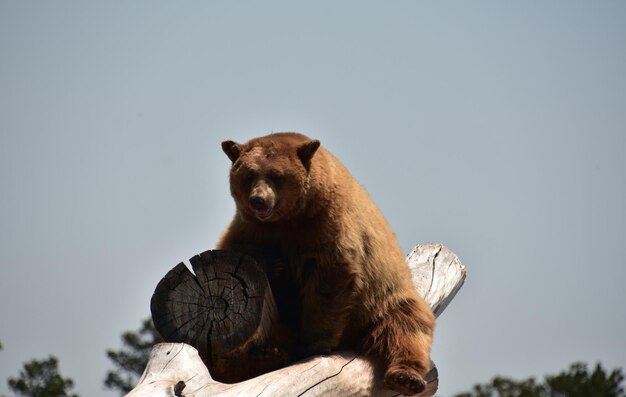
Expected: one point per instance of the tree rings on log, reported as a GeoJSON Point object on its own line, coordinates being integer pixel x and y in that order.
{"type": "Point", "coordinates": [225, 307]}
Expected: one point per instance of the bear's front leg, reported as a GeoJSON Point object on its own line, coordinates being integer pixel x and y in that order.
{"type": "Point", "coordinates": [322, 326]}
{"type": "Point", "coordinates": [327, 301]}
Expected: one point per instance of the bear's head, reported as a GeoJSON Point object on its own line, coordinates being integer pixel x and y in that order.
{"type": "Point", "coordinates": [269, 177]}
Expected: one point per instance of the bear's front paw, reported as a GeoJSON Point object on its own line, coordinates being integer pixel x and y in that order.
{"type": "Point", "coordinates": [405, 380]}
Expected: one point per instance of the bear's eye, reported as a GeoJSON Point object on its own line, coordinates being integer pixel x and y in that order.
{"type": "Point", "coordinates": [275, 178]}
{"type": "Point", "coordinates": [249, 176]}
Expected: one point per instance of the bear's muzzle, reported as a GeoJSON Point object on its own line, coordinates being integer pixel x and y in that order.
{"type": "Point", "coordinates": [262, 200]}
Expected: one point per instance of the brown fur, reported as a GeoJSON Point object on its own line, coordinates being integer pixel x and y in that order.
{"type": "Point", "coordinates": [338, 273]}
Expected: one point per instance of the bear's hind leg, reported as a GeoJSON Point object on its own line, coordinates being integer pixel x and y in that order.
{"type": "Point", "coordinates": [405, 370]}
{"type": "Point", "coordinates": [401, 341]}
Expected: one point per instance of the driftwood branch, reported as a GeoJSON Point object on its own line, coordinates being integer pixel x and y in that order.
{"type": "Point", "coordinates": [177, 369]}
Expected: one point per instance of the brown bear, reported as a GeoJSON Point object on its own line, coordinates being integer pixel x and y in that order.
{"type": "Point", "coordinates": [338, 274]}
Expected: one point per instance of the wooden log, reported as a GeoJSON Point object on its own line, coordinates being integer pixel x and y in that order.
{"type": "Point", "coordinates": [177, 369]}
{"type": "Point", "coordinates": [177, 366]}
{"type": "Point", "coordinates": [226, 311]}
{"type": "Point", "coordinates": [437, 274]}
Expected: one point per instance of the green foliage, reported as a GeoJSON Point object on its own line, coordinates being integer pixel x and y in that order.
{"type": "Point", "coordinates": [132, 359]}
{"type": "Point", "coordinates": [578, 382]}
{"type": "Point", "coordinates": [575, 382]}
{"type": "Point", "coordinates": [41, 379]}
{"type": "Point", "coordinates": [504, 387]}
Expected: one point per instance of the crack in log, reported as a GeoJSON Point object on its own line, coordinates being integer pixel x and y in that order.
{"type": "Point", "coordinates": [175, 334]}
{"type": "Point", "coordinates": [239, 262]}
{"type": "Point", "coordinates": [186, 381]}
{"type": "Point", "coordinates": [262, 391]}
{"type": "Point", "coordinates": [244, 288]}
{"type": "Point", "coordinates": [432, 276]}
{"type": "Point", "coordinates": [328, 377]}
{"type": "Point", "coordinates": [171, 359]}
{"type": "Point", "coordinates": [197, 391]}
{"type": "Point", "coordinates": [196, 283]}
{"type": "Point", "coordinates": [310, 368]}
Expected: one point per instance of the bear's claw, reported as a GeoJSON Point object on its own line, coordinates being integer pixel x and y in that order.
{"type": "Point", "coordinates": [406, 381]}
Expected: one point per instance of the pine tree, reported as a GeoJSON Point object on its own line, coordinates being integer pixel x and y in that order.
{"type": "Point", "coordinates": [574, 382]}
{"type": "Point", "coordinates": [41, 379]}
{"type": "Point", "coordinates": [132, 359]}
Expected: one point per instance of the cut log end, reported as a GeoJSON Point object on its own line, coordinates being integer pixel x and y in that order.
{"type": "Point", "coordinates": [225, 310]}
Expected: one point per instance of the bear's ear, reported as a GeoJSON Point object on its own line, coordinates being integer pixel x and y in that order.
{"type": "Point", "coordinates": [232, 150]}
{"type": "Point", "coordinates": [306, 151]}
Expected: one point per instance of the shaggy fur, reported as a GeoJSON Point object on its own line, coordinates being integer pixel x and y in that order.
{"type": "Point", "coordinates": [336, 269]}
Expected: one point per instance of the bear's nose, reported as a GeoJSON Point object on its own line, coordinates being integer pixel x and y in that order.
{"type": "Point", "coordinates": [257, 202]}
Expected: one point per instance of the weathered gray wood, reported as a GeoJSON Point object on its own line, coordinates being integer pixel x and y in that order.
{"type": "Point", "coordinates": [342, 374]}
{"type": "Point", "coordinates": [437, 273]}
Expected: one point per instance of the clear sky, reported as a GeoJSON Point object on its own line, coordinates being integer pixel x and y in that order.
{"type": "Point", "coordinates": [496, 128]}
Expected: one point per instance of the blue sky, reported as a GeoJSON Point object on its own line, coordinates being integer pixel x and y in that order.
{"type": "Point", "coordinates": [495, 128]}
